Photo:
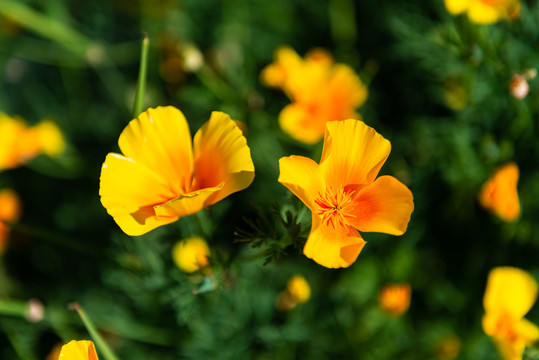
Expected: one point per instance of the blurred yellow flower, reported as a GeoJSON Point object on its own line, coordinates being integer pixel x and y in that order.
{"type": "Point", "coordinates": [299, 288]}
{"type": "Point", "coordinates": [394, 299]}
{"type": "Point", "coordinates": [10, 210]}
{"type": "Point", "coordinates": [499, 193]}
{"type": "Point", "coordinates": [162, 176]}
{"type": "Point", "coordinates": [320, 90]}
{"type": "Point", "coordinates": [484, 11]}
{"type": "Point", "coordinates": [298, 291]}
{"type": "Point", "coordinates": [342, 193]}
{"type": "Point", "coordinates": [191, 254]}
{"type": "Point", "coordinates": [510, 294]}
{"type": "Point", "coordinates": [78, 350]}
{"type": "Point", "coordinates": [20, 143]}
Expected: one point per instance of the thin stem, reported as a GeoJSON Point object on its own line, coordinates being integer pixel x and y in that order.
{"type": "Point", "coordinates": [103, 347]}
{"type": "Point", "coordinates": [141, 83]}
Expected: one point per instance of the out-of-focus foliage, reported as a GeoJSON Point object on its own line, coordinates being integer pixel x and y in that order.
{"type": "Point", "coordinates": [441, 90]}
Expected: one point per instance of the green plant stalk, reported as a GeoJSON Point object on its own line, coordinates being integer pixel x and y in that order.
{"type": "Point", "coordinates": [141, 83]}
{"type": "Point", "coordinates": [14, 307]}
{"type": "Point", "coordinates": [47, 27]}
{"type": "Point", "coordinates": [101, 344]}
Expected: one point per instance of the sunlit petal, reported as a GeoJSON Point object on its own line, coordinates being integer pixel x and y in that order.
{"type": "Point", "coordinates": [384, 206]}
{"type": "Point", "coordinates": [481, 13]}
{"type": "Point", "coordinates": [129, 190]}
{"type": "Point", "coordinates": [333, 248]}
{"type": "Point", "coordinates": [186, 204]}
{"type": "Point", "coordinates": [160, 139]}
{"type": "Point", "coordinates": [499, 194]}
{"type": "Point", "coordinates": [302, 176]}
{"type": "Point", "coordinates": [221, 156]}
{"type": "Point", "coordinates": [78, 350]}
{"type": "Point", "coordinates": [353, 153]}
{"type": "Point", "coordinates": [510, 291]}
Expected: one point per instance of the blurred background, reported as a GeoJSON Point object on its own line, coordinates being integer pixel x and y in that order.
{"type": "Point", "coordinates": [441, 89]}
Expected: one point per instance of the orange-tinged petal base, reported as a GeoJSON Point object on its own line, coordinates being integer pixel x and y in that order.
{"type": "Point", "coordinates": [78, 350]}
{"type": "Point", "coordinates": [384, 206]}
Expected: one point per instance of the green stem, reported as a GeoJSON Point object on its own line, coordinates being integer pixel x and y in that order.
{"type": "Point", "coordinates": [103, 347]}
{"type": "Point", "coordinates": [14, 307]}
{"type": "Point", "coordinates": [141, 83]}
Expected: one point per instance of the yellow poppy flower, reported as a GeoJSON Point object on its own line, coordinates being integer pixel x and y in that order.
{"type": "Point", "coordinates": [499, 193]}
{"type": "Point", "coordinates": [484, 11]}
{"type": "Point", "coordinates": [191, 254]}
{"type": "Point", "coordinates": [344, 196]}
{"type": "Point", "coordinates": [395, 298]}
{"type": "Point", "coordinates": [510, 294]}
{"type": "Point", "coordinates": [320, 91]}
{"type": "Point", "coordinates": [78, 350]}
{"type": "Point", "coordinates": [162, 176]}
{"type": "Point", "coordinates": [298, 291]}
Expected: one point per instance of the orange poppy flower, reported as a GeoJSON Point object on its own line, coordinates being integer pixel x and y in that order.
{"type": "Point", "coordinates": [320, 91]}
{"type": "Point", "coordinates": [395, 298]}
{"type": "Point", "coordinates": [10, 210]}
{"type": "Point", "coordinates": [510, 294]}
{"type": "Point", "coordinates": [162, 176]}
{"type": "Point", "coordinates": [344, 196]}
{"type": "Point", "coordinates": [499, 193]}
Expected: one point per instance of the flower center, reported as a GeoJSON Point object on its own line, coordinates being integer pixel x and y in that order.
{"type": "Point", "coordinates": [335, 207]}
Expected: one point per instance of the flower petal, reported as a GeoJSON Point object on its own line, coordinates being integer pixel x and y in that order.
{"type": "Point", "coordinates": [481, 13]}
{"type": "Point", "coordinates": [302, 176]}
{"type": "Point", "coordinates": [129, 191]}
{"type": "Point", "coordinates": [499, 194]}
{"type": "Point", "coordinates": [457, 6]}
{"type": "Point", "coordinates": [353, 153]}
{"type": "Point", "coordinates": [221, 156]}
{"type": "Point", "coordinates": [160, 139]}
{"type": "Point", "coordinates": [78, 350]}
{"type": "Point", "coordinates": [333, 248]}
{"type": "Point", "coordinates": [510, 291]}
{"type": "Point", "coordinates": [303, 122]}
{"type": "Point", "coordinates": [186, 204]}
{"type": "Point", "coordinates": [384, 206]}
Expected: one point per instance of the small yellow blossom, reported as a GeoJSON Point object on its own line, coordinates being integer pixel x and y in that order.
{"type": "Point", "coordinates": [78, 350]}
{"type": "Point", "coordinates": [50, 137]}
{"type": "Point", "coordinates": [320, 91]}
{"type": "Point", "coordinates": [510, 294]}
{"type": "Point", "coordinates": [298, 291]}
{"type": "Point", "coordinates": [191, 254]}
{"type": "Point", "coordinates": [163, 176]}
{"type": "Point", "coordinates": [499, 193]}
{"type": "Point", "coordinates": [484, 11]}
{"type": "Point", "coordinates": [395, 298]}
{"type": "Point", "coordinates": [10, 210]}
{"type": "Point", "coordinates": [344, 195]}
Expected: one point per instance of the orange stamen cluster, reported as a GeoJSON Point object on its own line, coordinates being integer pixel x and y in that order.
{"type": "Point", "coordinates": [335, 207]}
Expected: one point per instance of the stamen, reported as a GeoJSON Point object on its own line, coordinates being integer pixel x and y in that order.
{"type": "Point", "coordinates": [335, 207]}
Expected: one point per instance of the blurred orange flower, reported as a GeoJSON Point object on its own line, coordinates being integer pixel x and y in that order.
{"type": "Point", "coordinates": [484, 11]}
{"type": "Point", "coordinates": [499, 193]}
{"type": "Point", "coordinates": [395, 298]}
{"type": "Point", "coordinates": [510, 294]}
{"type": "Point", "coordinates": [78, 350]}
{"type": "Point", "coordinates": [162, 176]}
{"type": "Point", "coordinates": [20, 143]}
{"type": "Point", "coordinates": [320, 90]}
{"type": "Point", "coordinates": [342, 193]}
{"type": "Point", "coordinates": [10, 209]}
{"type": "Point", "coordinates": [191, 254]}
